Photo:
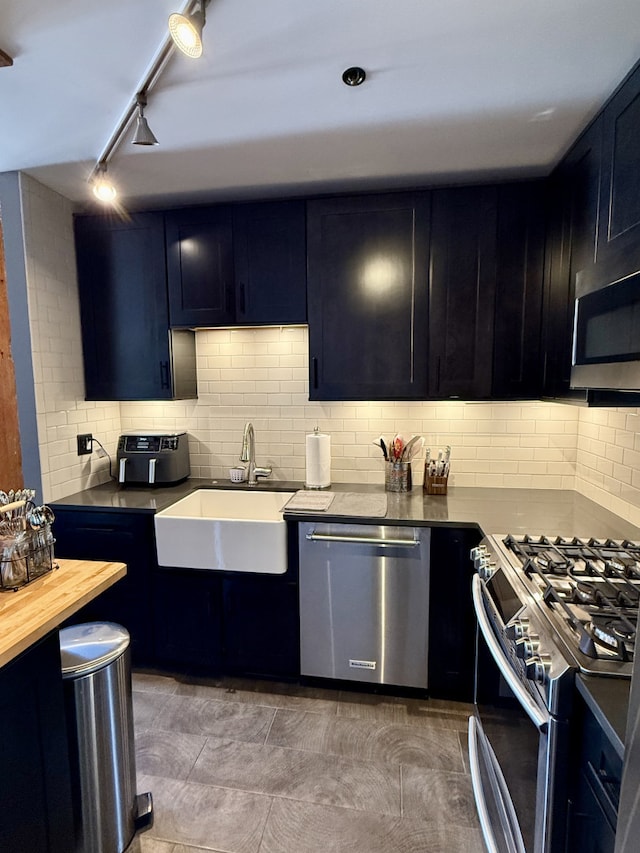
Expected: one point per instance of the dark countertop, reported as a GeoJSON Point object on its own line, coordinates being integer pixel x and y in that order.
{"type": "Point", "coordinates": [608, 698]}
{"type": "Point", "coordinates": [535, 511]}
{"type": "Point", "coordinates": [549, 511]}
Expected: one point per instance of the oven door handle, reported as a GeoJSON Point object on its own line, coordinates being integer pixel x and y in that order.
{"type": "Point", "coordinates": [537, 717]}
{"type": "Point", "coordinates": [477, 739]}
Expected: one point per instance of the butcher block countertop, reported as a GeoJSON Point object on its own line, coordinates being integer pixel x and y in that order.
{"type": "Point", "coordinates": [29, 613]}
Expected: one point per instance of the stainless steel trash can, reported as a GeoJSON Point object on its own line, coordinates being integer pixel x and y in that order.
{"type": "Point", "coordinates": [96, 670]}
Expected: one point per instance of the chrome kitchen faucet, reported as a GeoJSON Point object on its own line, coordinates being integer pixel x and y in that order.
{"type": "Point", "coordinates": [249, 455]}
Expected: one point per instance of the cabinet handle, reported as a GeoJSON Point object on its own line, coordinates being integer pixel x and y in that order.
{"type": "Point", "coordinates": [438, 373]}
{"type": "Point", "coordinates": [164, 374]}
{"type": "Point", "coordinates": [243, 306]}
{"type": "Point", "coordinates": [314, 365]}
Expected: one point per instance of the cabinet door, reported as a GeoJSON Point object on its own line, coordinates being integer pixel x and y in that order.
{"type": "Point", "coordinates": [452, 626]}
{"type": "Point", "coordinates": [573, 214]}
{"type": "Point", "coordinates": [200, 266]}
{"type": "Point", "coordinates": [367, 297]}
{"type": "Point", "coordinates": [462, 292]}
{"type": "Point", "coordinates": [517, 369]}
{"type": "Point", "coordinates": [188, 620]}
{"type": "Point", "coordinates": [118, 537]}
{"type": "Point", "coordinates": [269, 245]}
{"type": "Point", "coordinates": [123, 306]}
{"type": "Point", "coordinates": [35, 782]}
{"type": "Point", "coordinates": [619, 227]}
{"type": "Point", "coordinates": [261, 626]}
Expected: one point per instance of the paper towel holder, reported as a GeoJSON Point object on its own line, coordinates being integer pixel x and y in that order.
{"type": "Point", "coordinates": [318, 468]}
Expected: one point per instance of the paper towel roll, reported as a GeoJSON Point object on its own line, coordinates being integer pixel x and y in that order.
{"type": "Point", "coordinates": [318, 459]}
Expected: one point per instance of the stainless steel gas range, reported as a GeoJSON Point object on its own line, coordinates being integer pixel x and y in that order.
{"type": "Point", "coordinates": [547, 607]}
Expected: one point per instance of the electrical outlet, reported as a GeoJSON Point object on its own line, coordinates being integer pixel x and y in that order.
{"type": "Point", "coordinates": [84, 443]}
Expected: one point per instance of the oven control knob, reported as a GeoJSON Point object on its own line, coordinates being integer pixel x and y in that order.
{"type": "Point", "coordinates": [538, 667]}
{"type": "Point", "coordinates": [477, 554]}
{"type": "Point", "coordinates": [517, 629]}
{"type": "Point", "coordinates": [527, 646]}
{"type": "Point", "coordinates": [486, 569]}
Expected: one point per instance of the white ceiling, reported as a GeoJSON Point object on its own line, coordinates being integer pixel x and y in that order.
{"type": "Point", "coordinates": [455, 90]}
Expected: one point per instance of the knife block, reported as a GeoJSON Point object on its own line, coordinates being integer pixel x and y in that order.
{"type": "Point", "coordinates": [435, 485]}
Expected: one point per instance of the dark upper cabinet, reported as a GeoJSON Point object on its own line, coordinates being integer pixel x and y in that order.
{"type": "Point", "coordinates": [462, 292]}
{"type": "Point", "coordinates": [517, 367]}
{"type": "Point", "coordinates": [269, 247]}
{"type": "Point", "coordinates": [200, 266]}
{"type": "Point", "coordinates": [237, 265]}
{"type": "Point", "coordinates": [129, 352]}
{"type": "Point", "coordinates": [367, 289]}
{"type": "Point", "coordinates": [619, 226]}
{"type": "Point", "coordinates": [573, 212]}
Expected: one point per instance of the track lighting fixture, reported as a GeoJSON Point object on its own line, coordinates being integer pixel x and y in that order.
{"type": "Point", "coordinates": [143, 134]}
{"type": "Point", "coordinates": [192, 16]}
{"type": "Point", "coordinates": [103, 189]}
{"type": "Point", "coordinates": [186, 30]}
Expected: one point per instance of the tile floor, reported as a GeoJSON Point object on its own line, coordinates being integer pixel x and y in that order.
{"type": "Point", "coordinates": [257, 767]}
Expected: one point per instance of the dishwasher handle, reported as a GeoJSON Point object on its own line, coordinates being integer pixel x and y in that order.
{"type": "Point", "coordinates": [363, 540]}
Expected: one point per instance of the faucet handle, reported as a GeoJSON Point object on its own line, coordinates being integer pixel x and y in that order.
{"type": "Point", "coordinates": [262, 472]}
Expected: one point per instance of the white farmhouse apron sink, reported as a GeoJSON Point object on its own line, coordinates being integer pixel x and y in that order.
{"type": "Point", "coordinates": [224, 530]}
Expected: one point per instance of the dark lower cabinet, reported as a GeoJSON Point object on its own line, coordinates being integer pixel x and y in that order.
{"type": "Point", "coordinates": [213, 622]}
{"type": "Point", "coordinates": [35, 783]}
{"type": "Point", "coordinates": [187, 618]}
{"type": "Point", "coordinates": [596, 774]}
{"type": "Point", "coordinates": [124, 537]}
{"type": "Point", "coordinates": [261, 626]}
{"type": "Point", "coordinates": [452, 625]}
{"type": "Point", "coordinates": [217, 623]}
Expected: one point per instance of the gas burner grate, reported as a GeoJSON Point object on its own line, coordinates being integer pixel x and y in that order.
{"type": "Point", "coordinates": [593, 583]}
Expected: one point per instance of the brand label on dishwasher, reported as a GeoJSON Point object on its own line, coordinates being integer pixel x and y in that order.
{"type": "Point", "coordinates": [362, 664]}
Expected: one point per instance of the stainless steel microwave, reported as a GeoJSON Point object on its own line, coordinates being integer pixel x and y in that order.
{"type": "Point", "coordinates": [606, 333]}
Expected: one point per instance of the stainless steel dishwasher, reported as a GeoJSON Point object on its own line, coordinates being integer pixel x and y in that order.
{"type": "Point", "coordinates": [364, 602]}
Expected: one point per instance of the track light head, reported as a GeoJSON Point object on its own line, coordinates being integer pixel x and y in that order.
{"type": "Point", "coordinates": [143, 134]}
{"type": "Point", "coordinates": [186, 31]}
{"type": "Point", "coordinates": [103, 189]}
